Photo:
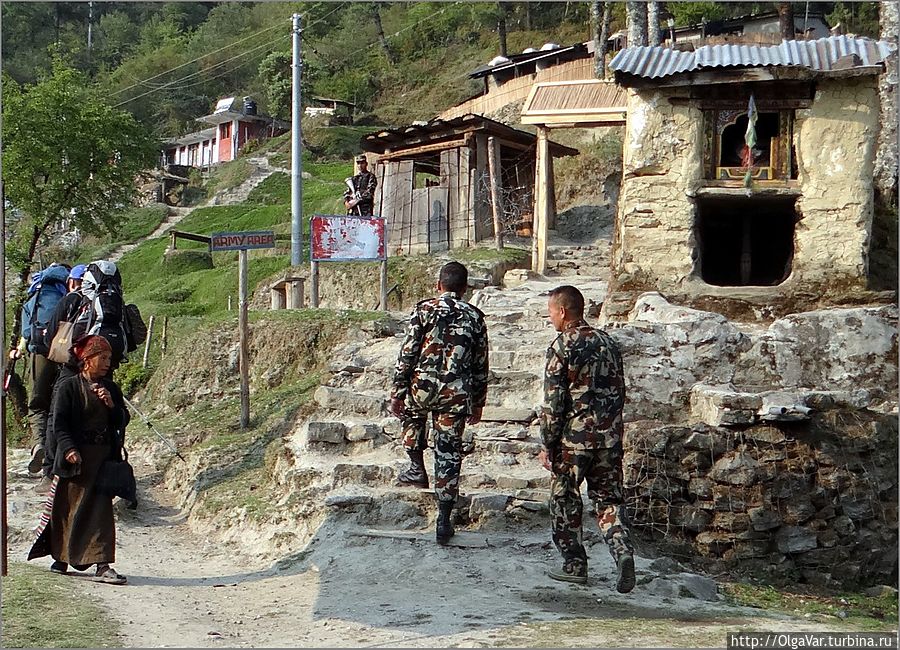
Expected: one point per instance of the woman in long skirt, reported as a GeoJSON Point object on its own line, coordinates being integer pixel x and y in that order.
{"type": "Point", "coordinates": [88, 419]}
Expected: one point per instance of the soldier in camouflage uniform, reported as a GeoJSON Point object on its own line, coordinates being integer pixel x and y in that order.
{"type": "Point", "coordinates": [361, 200]}
{"type": "Point", "coordinates": [442, 370]}
{"type": "Point", "coordinates": [581, 428]}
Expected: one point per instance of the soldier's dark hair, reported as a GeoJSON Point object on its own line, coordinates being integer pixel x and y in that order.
{"type": "Point", "coordinates": [569, 297]}
{"type": "Point", "coordinates": [454, 277]}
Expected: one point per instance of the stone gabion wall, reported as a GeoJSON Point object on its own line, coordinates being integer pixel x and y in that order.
{"type": "Point", "coordinates": [808, 502]}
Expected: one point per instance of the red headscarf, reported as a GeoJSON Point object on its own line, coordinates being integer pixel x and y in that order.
{"type": "Point", "coordinates": [91, 346]}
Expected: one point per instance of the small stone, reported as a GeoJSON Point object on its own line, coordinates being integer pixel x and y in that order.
{"type": "Point", "coordinates": [332, 432]}
{"type": "Point", "coordinates": [359, 432]}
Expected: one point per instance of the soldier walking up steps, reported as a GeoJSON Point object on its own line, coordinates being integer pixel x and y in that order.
{"type": "Point", "coordinates": [442, 370]}
{"type": "Point", "coordinates": [581, 428]}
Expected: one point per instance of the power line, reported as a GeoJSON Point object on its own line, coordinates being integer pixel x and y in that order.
{"type": "Point", "coordinates": [172, 83]}
{"type": "Point", "coordinates": [203, 56]}
{"type": "Point", "coordinates": [200, 72]}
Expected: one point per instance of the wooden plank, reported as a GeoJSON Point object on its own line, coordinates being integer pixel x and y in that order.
{"type": "Point", "coordinates": [438, 225]}
{"type": "Point", "coordinates": [544, 207]}
{"type": "Point", "coordinates": [404, 198]}
{"type": "Point", "coordinates": [466, 196]}
{"type": "Point", "coordinates": [420, 209]}
{"type": "Point", "coordinates": [426, 148]}
{"type": "Point", "coordinates": [481, 202]}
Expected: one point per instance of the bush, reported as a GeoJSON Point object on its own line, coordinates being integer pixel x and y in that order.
{"type": "Point", "coordinates": [131, 377]}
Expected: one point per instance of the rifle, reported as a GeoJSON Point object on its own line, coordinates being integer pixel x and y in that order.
{"type": "Point", "coordinates": [151, 427]}
{"type": "Point", "coordinates": [356, 198]}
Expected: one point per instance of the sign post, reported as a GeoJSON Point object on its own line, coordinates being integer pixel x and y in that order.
{"type": "Point", "coordinates": [242, 242]}
{"type": "Point", "coordinates": [348, 238]}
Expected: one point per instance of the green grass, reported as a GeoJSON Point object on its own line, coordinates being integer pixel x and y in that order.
{"type": "Point", "coordinates": [859, 611]}
{"type": "Point", "coordinates": [40, 610]}
{"type": "Point", "coordinates": [490, 254]}
{"type": "Point", "coordinates": [136, 223]}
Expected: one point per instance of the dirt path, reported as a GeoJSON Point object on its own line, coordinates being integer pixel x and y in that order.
{"type": "Point", "coordinates": [365, 588]}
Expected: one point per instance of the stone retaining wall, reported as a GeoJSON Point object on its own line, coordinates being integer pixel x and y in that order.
{"type": "Point", "coordinates": [812, 502]}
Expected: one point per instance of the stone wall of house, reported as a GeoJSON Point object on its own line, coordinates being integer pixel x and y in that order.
{"type": "Point", "coordinates": [655, 247]}
{"type": "Point", "coordinates": [663, 154]}
{"type": "Point", "coordinates": [835, 143]}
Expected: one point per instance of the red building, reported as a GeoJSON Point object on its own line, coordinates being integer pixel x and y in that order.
{"type": "Point", "coordinates": [234, 123]}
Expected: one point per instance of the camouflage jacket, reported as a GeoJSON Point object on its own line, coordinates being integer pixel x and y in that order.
{"type": "Point", "coordinates": [443, 364]}
{"type": "Point", "coordinates": [364, 183]}
{"type": "Point", "coordinates": [584, 390]}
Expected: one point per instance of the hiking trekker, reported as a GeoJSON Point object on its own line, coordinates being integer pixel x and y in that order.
{"type": "Point", "coordinates": [89, 417]}
{"type": "Point", "coordinates": [442, 371]}
{"type": "Point", "coordinates": [48, 287]}
{"type": "Point", "coordinates": [359, 197]}
{"type": "Point", "coordinates": [582, 429]}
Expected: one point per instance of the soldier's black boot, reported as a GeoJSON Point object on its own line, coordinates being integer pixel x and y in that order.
{"type": "Point", "coordinates": [444, 530]}
{"type": "Point", "coordinates": [625, 578]}
{"type": "Point", "coordinates": [415, 475]}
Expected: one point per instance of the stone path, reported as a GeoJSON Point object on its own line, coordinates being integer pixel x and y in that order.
{"type": "Point", "coordinates": [261, 171]}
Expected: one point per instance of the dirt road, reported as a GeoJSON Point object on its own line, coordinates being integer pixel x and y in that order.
{"type": "Point", "coordinates": [357, 587]}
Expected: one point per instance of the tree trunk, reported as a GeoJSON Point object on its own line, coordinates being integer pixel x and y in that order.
{"type": "Point", "coordinates": [376, 18]}
{"type": "Point", "coordinates": [636, 18]}
{"type": "Point", "coordinates": [600, 30]}
{"type": "Point", "coordinates": [654, 34]}
{"type": "Point", "coordinates": [528, 16]}
{"type": "Point", "coordinates": [501, 27]}
{"type": "Point", "coordinates": [786, 20]}
{"type": "Point", "coordinates": [886, 166]}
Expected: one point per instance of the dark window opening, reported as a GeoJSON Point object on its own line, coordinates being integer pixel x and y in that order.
{"type": "Point", "coordinates": [427, 172]}
{"type": "Point", "coordinates": [745, 242]}
{"type": "Point", "coordinates": [733, 150]}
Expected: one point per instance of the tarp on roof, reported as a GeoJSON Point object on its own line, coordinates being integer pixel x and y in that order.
{"type": "Point", "coordinates": [819, 55]}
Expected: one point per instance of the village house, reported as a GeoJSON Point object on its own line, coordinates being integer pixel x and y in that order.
{"type": "Point", "coordinates": [234, 124]}
{"type": "Point", "coordinates": [434, 181]}
{"type": "Point", "coordinates": [337, 110]}
{"type": "Point", "coordinates": [698, 220]}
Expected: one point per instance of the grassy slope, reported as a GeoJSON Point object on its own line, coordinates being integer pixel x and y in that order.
{"type": "Point", "coordinates": [41, 611]}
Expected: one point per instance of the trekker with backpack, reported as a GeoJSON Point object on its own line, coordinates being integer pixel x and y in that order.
{"type": "Point", "coordinates": [103, 312]}
{"type": "Point", "coordinates": [47, 289]}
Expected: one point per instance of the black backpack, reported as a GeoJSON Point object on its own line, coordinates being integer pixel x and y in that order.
{"type": "Point", "coordinates": [103, 309]}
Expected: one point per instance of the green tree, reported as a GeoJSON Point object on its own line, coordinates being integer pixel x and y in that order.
{"type": "Point", "coordinates": [68, 157]}
{"type": "Point", "coordinates": [692, 13]}
{"type": "Point", "coordinates": [275, 71]}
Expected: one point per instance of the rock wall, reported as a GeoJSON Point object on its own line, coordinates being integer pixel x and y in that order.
{"type": "Point", "coordinates": [765, 450]}
{"type": "Point", "coordinates": [835, 143]}
{"type": "Point", "coordinates": [654, 242]}
{"type": "Point", "coordinates": [655, 246]}
{"type": "Point", "coordinates": [814, 503]}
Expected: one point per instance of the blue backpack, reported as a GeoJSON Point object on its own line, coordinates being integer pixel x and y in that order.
{"type": "Point", "coordinates": [46, 290]}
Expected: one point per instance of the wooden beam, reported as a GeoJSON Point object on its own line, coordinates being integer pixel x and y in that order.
{"type": "Point", "coordinates": [543, 206]}
{"type": "Point", "coordinates": [494, 177]}
{"type": "Point", "coordinates": [425, 148]}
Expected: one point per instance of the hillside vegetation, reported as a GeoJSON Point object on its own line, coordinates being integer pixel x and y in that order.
{"type": "Point", "coordinates": [169, 62]}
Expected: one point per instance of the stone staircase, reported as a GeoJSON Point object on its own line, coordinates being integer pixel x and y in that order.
{"type": "Point", "coordinates": [352, 444]}
{"type": "Point", "coordinates": [261, 170]}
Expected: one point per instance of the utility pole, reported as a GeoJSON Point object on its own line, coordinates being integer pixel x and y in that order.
{"type": "Point", "coordinates": [296, 150]}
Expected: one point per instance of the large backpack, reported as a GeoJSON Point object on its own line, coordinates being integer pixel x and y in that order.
{"type": "Point", "coordinates": [46, 290]}
{"type": "Point", "coordinates": [102, 309]}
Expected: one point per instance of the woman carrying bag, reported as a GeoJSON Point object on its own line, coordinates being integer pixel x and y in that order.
{"type": "Point", "coordinates": [88, 415]}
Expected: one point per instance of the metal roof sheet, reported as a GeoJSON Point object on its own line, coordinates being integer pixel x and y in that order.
{"type": "Point", "coordinates": [820, 54]}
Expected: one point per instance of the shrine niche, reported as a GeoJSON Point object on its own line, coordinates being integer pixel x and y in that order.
{"type": "Point", "coordinates": [782, 224]}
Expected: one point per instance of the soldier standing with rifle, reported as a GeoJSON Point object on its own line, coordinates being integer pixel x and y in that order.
{"type": "Point", "coordinates": [581, 428]}
{"type": "Point", "coordinates": [359, 198]}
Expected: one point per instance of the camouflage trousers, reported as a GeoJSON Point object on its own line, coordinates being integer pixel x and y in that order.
{"type": "Point", "coordinates": [449, 430]}
{"type": "Point", "coordinates": [602, 470]}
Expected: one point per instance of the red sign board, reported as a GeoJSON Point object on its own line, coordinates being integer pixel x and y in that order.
{"type": "Point", "coordinates": [347, 239]}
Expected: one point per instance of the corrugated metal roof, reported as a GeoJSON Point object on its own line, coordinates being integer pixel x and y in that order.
{"type": "Point", "coordinates": [819, 54]}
